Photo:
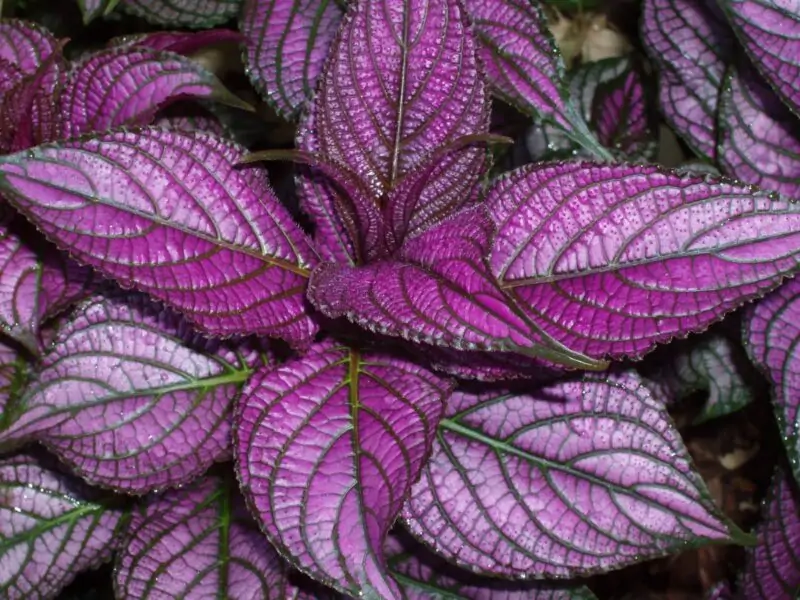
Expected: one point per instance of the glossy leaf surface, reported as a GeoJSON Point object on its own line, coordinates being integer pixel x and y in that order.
{"type": "Point", "coordinates": [770, 32]}
{"type": "Point", "coordinates": [772, 567]}
{"type": "Point", "coordinates": [198, 542]}
{"type": "Point", "coordinates": [194, 14]}
{"type": "Point", "coordinates": [131, 398]}
{"type": "Point", "coordinates": [25, 44]}
{"type": "Point", "coordinates": [759, 136]}
{"type": "Point", "coordinates": [772, 335]}
{"type": "Point", "coordinates": [610, 260]}
{"type": "Point", "coordinates": [328, 446]}
{"type": "Point", "coordinates": [576, 477]}
{"type": "Point", "coordinates": [286, 44]}
{"type": "Point", "coordinates": [169, 213]}
{"type": "Point", "coordinates": [438, 292]}
{"type": "Point", "coordinates": [50, 528]}
{"type": "Point", "coordinates": [691, 44]}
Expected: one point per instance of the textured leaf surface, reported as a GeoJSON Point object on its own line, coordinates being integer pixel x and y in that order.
{"type": "Point", "coordinates": [194, 14]}
{"type": "Point", "coordinates": [425, 576]}
{"type": "Point", "coordinates": [759, 136]}
{"type": "Point", "coordinates": [711, 363]}
{"type": "Point", "coordinates": [126, 86]}
{"type": "Point", "coordinates": [49, 530]}
{"type": "Point", "coordinates": [286, 44]}
{"type": "Point", "coordinates": [25, 44]}
{"type": "Point", "coordinates": [574, 478]}
{"type": "Point", "coordinates": [772, 333]}
{"type": "Point", "coordinates": [92, 9]}
{"type": "Point", "coordinates": [610, 260]}
{"type": "Point", "coordinates": [328, 446]}
{"type": "Point", "coordinates": [770, 32]}
{"type": "Point", "coordinates": [131, 398]}
{"type": "Point", "coordinates": [524, 66]}
{"type": "Point", "coordinates": [438, 292]}
{"type": "Point", "coordinates": [691, 44]}
{"type": "Point", "coordinates": [167, 212]}
{"type": "Point", "coordinates": [772, 567]}
{"type": "Point", "coordinates": [198, 542]}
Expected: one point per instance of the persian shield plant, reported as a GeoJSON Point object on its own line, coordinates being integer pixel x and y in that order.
{"type": "Point", "coordinates": [427, 391]}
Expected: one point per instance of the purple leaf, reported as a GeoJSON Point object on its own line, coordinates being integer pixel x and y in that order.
{"type": "Point", "coordinates": [188, 117]}
{"type": "Point", "coordinates": [772, 333]}
{"type": "Point", "coordinates": [482, 366]}
{"type": "Point", "coordinates": [770, 32]}
{"type": "Point", "coordinates": [51, 529]}
{"type": "Point", "coordinates": [759, 136]}
{"type": "Point", "coordinates": [690, 43]}
{"type": "Point", "coordinates": [198, 542]}
{"type": "Point", "coordinates": [425, 576]}
{"type": "Point", "coordinates": [577, 477]}
{"type": "Point", "coordinates": [286, 44]}
{"type": "Point", "coordinates": [168, 213]}
{"type": "Point", "coordinates": [10, 75]}
{"type": "Point", "coordinates": [194, 14]}
{"type": "Point", "coordinates": [180, 42]}
{"type": "Point", "coordinates": [131, 398]}
{"type": "Point", "coordinates": [611, 259]}
{"type": "Point", "coordinates": [711, 364]}
{"type": "Point", "coordinates": [524, 66]}
{"type": "Point", "coordinates": [328, 446]}
{"type": "Point", "coordinates": [125, 86]}
{"type": "Point", "coordinates": [438, 292]}
{"type": "Point", "coordinates": [772, 567]}
{"type": "Point", "coordinates": [25, 44]}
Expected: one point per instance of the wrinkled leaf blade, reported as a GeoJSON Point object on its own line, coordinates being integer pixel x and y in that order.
{"type": "Point", "coordinates": [25, 44]}
{"type": "Point", "coordinates": [170, 213]}
{"type": "Point", "coordinates": [574, 478]}
{"type": "Point", "coordinates": [610, 260]}
{"type": "Point", "coordinates": [193, 14]}
{"type": "Point", "coordinates": [327, 447]}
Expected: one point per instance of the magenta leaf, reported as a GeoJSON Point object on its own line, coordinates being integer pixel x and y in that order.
{"type": "Point", "coordinates": [772, 567]}
{"type": "Point", "coordinates": [574, 478]}
{"type": "Point", "coordinates": [770, 32]}
{"type": "Point", "coordinates": [438, 292]}
{"type": "Point", "coordinates": [131, 398]}
{"type": "Point", "coordinates": [198, 542]}
{"type": "Point", "coordinates": [180, 42]}
{"type": "Point", "coordinates": [168, 213]}
{"type": "Point", "coordinates": [286, 44]}
{"type": "Point", "coordinates": [712, 364]}
{"type": "Point", "coordinates": [772, 335]}
{"type": "Point", "coordinates": [126, 86]}
{"type": "Point", "coordinates": [611, 259]}
{"type": "Point", "coordinates": [425, 576]}
{"type": "Point", "coordinates": [524, 66]}
{"type": "Point", "coordinates": [328, 446]}
{"type": "Point", "coordinates": [25, 44]}
{"type": "Point", "coordinates": [51, 528]}
{"type": "Point", "coordinates": [759, 139]}
{"type": "Point", "coordinates": [193, 14]}
{"type": "Point", "coordinates": [690, 43]}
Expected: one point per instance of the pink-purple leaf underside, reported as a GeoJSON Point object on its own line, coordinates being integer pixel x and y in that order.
{"type": "Point", "coordinates": [25, 44]}
{"type": "Point", "coordinates": [759, 137]}
{"type": "Point", "coordinates": [610, 260]}
{"type": "Point", "coordinates": [402, 81]}
{"type": "Point", "coordinates": [192, 14]}
{"type": "Point", "coordinates": [524, 66]}
{"type": "Point", "coordinates": [328, 446]}
{"type": "Point", "coordinates": [126, 86]}
{"type": "Point", "coordinates": [770, 33]}
{"type": "Point", "coordinates": [286, 44]}
{"type": "Point", "coordinates": [712, 364]}
{"type": "Point", "coordinates": [51, 529]}
{"type": "Point", "coordinates": [131, 398]}
{"type": "Point", "coordinates": [439, 292]}
{"type": "Point", "coordinates": [573, 478]}
{"type": "Point", "coordinates": [198, 542]}
{"type": "Point", "coordinates": [691, 44]}
{"type": "Point", "coordinates": [170, 213]}
{"type": "Point", "coordinates": [772, 337]}
{"type": "Point", "coordinates": [772, 567]}
{"type": "Point", "coordinates": [425, 576]}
